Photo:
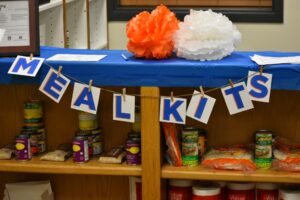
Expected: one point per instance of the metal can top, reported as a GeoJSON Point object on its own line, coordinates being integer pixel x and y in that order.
{"type": "Point", "coordinates": [96, 131]}
{"type": "Point", "coordinates": [80, 137]}
{"type": "Point", "coordinates": [20, 136]}
{"type": "Point", "coordinates": [190, 128]}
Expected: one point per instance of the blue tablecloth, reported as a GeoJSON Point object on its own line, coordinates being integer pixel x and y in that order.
{"type": "Point", "coordinates": [113, 70]}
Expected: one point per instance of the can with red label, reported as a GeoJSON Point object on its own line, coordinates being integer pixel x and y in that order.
{"type": "Point", "coordinates": [223, 186]}
{"type": "Point", "coordinates": [241, 191]}
{"type": "Point", "coordinates": [180, 189]}
{"type": "Point", "coordinates": [209, 192]}
{"type": "Point", "coordinates": [135, 187]}
{"type": "Point", "coordinates": [266, 191]}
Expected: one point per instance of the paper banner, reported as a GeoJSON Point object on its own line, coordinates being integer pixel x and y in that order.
{"type": "Point", "coordinates": [23, 66]}
{"type": "Point", "coordinates": [123, 109]}
{"type": "Point", "coordinates": [259, 86]}
{"type": "Point", "coordinates": [172, 111]}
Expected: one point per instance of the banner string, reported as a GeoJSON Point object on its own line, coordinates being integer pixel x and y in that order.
{"type": "Point", "coordinates": [145, 96]}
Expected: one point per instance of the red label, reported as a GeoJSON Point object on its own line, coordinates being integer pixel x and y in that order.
{"type": "Point", "coordinates": [241, 195]}
{"type": "Point", "coordinates": [215, 197]}
{"type": "Point", "coordinates": [138, 191]}
{"type": "Point", "coordinates": [179, 193]}
{"type": "Point", "coordinates": [267, 194]}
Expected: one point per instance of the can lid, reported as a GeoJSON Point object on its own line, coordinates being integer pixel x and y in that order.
{"type": "Point", "coordinates": [222, 183]}
{"type": "Point", "coordinates": [241, 186]}
{"type": "Point", "coordinates": [180, 183]}
{"type": "Point", "coordinates": [206, 190]}
{"type": "Point", "coordinates": [289, 194]}
{"type": "Point", "coordinates": [266, 186]}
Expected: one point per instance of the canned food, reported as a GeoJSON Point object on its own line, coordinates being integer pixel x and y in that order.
{"type": "Point", "coordinates": [133, 152]}
{"type": "Point", "coordinates": [33, 111]}
{"type": "Point", "coordinates": [22, 147]}
{"type": "Point", "coordinates": [189, 143]}
{"type": "Point", "coordinates": [80, 149]}
{"type": "Point", "coordinates": [87, 121]}
{"type": "Point", "coordinates": [263, 148]}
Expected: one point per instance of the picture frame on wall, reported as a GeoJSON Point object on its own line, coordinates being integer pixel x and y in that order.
{"type": "Point", "coordinates": [19, 27]}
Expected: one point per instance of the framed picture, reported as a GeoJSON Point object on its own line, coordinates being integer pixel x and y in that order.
{"type": "Point", "coordinates": [19, 27]}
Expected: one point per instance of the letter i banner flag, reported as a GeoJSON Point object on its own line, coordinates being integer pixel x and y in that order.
{"type": "Point", "coordinates": [26, 66]}
{"type": "Point", "coordinates": [200, 107]}
{"type": "Point", "coordinates": [54, 85]}
{"type": "Point", "coordinates": [259, 86]}
{"type": "Point", "coordinates": [85, 99]}
{"type": "Point", "coordinates": [172, 110]}
{"type": "Point", "coordinates": [237, 98]}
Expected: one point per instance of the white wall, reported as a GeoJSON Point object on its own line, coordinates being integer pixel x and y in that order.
{"type": "Point", "coordinates": [256, 36]}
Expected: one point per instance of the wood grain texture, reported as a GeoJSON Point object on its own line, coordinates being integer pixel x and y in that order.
{"type": "Point", "coordinates": [201, 173]}
{"type": "Point", "coordinates": [93, 167]}
{"type": "Point", "coordinates": [151, 153]}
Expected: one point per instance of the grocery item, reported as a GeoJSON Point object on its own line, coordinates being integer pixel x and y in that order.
{"type": "Point", "coordinates": [80, 149]}
{"type": "Point", "coordinates": [241, 191]}
{"type": "Point", "coordinates": [287, 155]}
{"type": "Point", "coordinates": [206, 192]}
{"type": "Point", "coordinates": [173, 151]}
{"type": "Point", "coordinates": [87, 121]}
{"type": "Point", "coordinates": [115, 155]}
{"type": "Point", "coordinates": [189, 146]}
{"type": "Point", "coordinates": [135, 188]}
{"type": "Point", "coordinates": [223, 187]}
{"type": "Point", "coordinates": [233, 158]}
{"type": "Point", "coordinates": [180, 189]}
{"type": "Point", "coordinates": [63, 152]}
{"type": "Point", "coordinates": [133, 148]}
{"type": "Point", "coordinates": [263, 148]}
{"type": "Point", "coordinates": [266, 191]}
{"type": "Point", "coordinates": [201, 143]}
{"type": "Point", "coordinates": [33, 112]}
{"type": "Point", "coordinates": [6, 152]}
{"type": "Point", "coordinates": [22, 147]}
{"type": "Point", "coordinates": [289, 193]}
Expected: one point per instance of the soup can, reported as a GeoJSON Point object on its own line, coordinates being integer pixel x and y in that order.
{"type": "Point", "coordinates": [180, 189]}
{"type": "Point", "coordinates": [33, 112]}
{"type": "Point", "coordinates": [266, 191]}
{"type": "Point", "coordinates": [80, 149]}
{"type": "Point", "coordinates": [189, 146]}
{"type": "Point", "coordinates": [22, 147]}
{"type": "Point", "coordinates": [263, 148]}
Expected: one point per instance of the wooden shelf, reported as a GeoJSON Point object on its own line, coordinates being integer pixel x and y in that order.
{"type": "Point", "coordinates": [201, 173]}
{"type": "Point", "coordinates": [92, 167]}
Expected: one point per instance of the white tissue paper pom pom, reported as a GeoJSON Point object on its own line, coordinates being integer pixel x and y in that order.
{"type": "Point", "coordinates": [205, 35]}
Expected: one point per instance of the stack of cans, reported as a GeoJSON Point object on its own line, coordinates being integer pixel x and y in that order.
{"type": "Point", "coordinates": [88, 141]}
{"type": "Point", "coordinates": [32, 138]}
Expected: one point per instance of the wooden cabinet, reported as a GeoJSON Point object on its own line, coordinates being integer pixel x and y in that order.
{"type": "Point", "coordinates": [94, 181]}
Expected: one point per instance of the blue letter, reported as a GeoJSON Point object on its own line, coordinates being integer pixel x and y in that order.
{"type": "Point", "coordinates": [86, 98]}
{"type": "Point", "coordinates": [235, 91]}
{"type": "Point", "coordinates": [201, 106]}
{"type": "Point", "coordinates": [22, 63]}
{"type": "Point", "coordinates": [51, 83]}
{"type": "Point", "coordinates": [119, 113]}
{"type": "Point", "coordinates": [172, 110]}
{"type": "Point", "coordinates": [263, 89]}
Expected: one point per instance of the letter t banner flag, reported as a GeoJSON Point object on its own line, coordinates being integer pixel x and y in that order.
{"type": "Point", "coordinates": [172, 111]}
{"type": "Point", "coordinates": [237, 98]}
{"type": "Point", "coordinates": [24, 66]}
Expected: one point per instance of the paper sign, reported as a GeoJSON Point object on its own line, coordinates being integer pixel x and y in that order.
{"type": "Point", "coordinates": [266, 60]}
{"type": "Point", "coordinates": [2, 31]}
{"type": "Point", "coordinates": [200, 107]}
{"type": "Point", "coordinates": [123, 109]}
{"type": "Point", "coordinates": [54, 86]}
{"type": "Point", "coordinates": [259, 86]}
{"type": "Point", "coordinates": [76, 57]}
{"type": "Point", "coordinates": [237, 98]}
{"type": "Point", "coordinates": [23, 66]}
{"type": "Point", "coordinates": [85, 100]}
{"type": "Point", "coordinates": [172, 111]}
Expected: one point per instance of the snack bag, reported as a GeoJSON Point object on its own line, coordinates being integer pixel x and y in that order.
{"type": "Point", "coordinates": [173, 151]}
{"type": "Point", "coordinates": [233, 158]}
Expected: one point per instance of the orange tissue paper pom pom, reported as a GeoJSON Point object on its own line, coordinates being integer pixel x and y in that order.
{"type": "Point", "coordinates": [150, 35]}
